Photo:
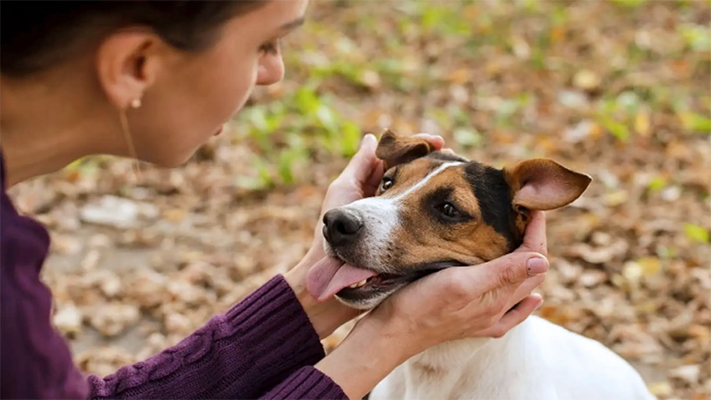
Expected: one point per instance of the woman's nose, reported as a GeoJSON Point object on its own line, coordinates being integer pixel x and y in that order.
{"type": "Point", "coordinates": [271, 70]}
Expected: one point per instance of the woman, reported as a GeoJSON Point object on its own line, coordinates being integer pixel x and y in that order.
{"type": "Point", "coordinates": [154, 81]}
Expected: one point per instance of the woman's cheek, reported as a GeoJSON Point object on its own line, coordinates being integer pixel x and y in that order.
{"type": "Point", "coordinates": [241, 91]}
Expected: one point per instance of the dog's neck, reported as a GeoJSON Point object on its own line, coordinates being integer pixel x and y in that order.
{"type": "Point", "coordinates": [444, 371]}
{"type": "Point", "coordinates": [447, 369]}
{"type": "Point", "coordinates": [450, 355]}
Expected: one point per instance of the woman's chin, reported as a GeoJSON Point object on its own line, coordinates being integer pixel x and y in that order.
{"type": "Point", "coordinates": [177, 156]}
{"type": "Point", "coordinates": [172, 160]}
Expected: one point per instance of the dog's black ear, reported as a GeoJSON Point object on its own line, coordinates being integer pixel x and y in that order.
{"type": "Point", "coordinates": [543, 184]}
{"type": "Point", "coordinates": [395, 149]}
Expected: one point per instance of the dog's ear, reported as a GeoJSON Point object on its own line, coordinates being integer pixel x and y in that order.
{"type": "Point", "coordinates": [395, 149]}
{"type": "Point", "coordinates": [543, 184]}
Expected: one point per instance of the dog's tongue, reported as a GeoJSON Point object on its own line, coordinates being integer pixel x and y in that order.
{"type": "Point", "coordinates": [328, 276]}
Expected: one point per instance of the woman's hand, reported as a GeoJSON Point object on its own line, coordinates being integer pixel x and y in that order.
{"type": "Point", "coordinates": [476, 301]}
{"type": "Point", "coordinates": [360, 179]}
{"type": "Point", "coordinates": [456, 303]}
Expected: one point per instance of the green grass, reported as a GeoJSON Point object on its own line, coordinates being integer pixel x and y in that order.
{"type": "Point", "coordinates": [287, 131]}
{"type": "Point", "coordinates": [309, 124]}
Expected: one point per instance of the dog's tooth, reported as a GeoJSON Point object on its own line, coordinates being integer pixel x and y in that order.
{"type": "Point", "coordinates": [358, 284]}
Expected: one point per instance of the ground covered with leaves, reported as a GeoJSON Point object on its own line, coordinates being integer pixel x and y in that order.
{"type": "Point", "coordinates": [618, 89]}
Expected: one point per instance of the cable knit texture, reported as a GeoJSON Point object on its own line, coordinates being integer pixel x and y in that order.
{"type": "Point", "coordinates": [264, 346]}
{"type": "Point", "coordinates": [307, 383]}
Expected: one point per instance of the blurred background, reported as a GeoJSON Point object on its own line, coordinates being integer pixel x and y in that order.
{"type": "Point", "coordinates": [617, 89]}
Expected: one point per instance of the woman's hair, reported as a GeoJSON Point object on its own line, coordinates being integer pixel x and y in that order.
{"type": "Point", "coordinates": [36, 35]}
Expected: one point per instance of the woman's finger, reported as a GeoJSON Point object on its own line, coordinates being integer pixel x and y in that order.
{"type": "Point", "coordinates": [524, 290]}
{"type": "Point", "coordinates": [504, 298]}
{"type": "Point", "coordinates": [361, 166]}
{"type": "Point", "coordinates": [534, 238]}
{"type": "Point", "coordinates": [508, 270]}
{"type": "Point", "coordinates": [513, 317]}
{"type": "Point", "coordinates": [435, 140]}
{"type": "Point", "coordinates": [371, 185]}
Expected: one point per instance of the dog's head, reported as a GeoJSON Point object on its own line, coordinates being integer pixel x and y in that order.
{"type": "Point", "coordinates": [433, 210]}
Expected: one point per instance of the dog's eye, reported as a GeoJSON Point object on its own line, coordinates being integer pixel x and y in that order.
{"type": "Point", "coordinates": [449, 210]}
{"type": "Point", "coordinates": [386, 184]}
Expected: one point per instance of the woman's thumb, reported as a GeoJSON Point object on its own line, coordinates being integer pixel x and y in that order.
{"type": "Point", "coordinates": [510, 269]}
{"type": "Point", "coordinates": [361, 165]}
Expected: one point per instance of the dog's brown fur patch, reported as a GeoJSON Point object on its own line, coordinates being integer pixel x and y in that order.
{"type": "Point", "coordinates": [428, 371]}
{"type": "Point", "coordinates": [421, 236]}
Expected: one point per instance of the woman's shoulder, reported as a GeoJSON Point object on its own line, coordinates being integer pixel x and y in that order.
{"type": "Point", "coordinates": [7, 210]}
{"type": "Point", "coordinates": [15, 229]}
{"type": "Point", "coordinates": [22, 239]}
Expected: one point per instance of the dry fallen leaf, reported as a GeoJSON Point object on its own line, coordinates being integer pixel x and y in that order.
{"type": "Point", "coordinates": [114, 318]}
{"type": "Point", "coordinates": [68, 319]}
{"type": "Point", "coordinates": [586, 80]}
{"type": "Point", "coordinates": [687, 373]}
{"type": "Point", "coordinates": [661, 389]}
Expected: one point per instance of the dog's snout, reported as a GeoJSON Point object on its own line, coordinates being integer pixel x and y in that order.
{"type": "Point", "coordinates": [341, 228]}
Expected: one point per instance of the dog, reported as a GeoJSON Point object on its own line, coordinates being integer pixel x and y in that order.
{"type": "Point", "coordinates": [436, 210]}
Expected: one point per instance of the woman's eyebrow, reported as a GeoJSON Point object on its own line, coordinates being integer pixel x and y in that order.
{"type": "Point", "coordinates": [293, 24]}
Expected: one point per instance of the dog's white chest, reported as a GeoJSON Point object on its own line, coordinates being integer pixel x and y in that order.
{"type": "Point", "coordinates": [536, 360]}
{"type": "Point", "coordinates": [469, 369]}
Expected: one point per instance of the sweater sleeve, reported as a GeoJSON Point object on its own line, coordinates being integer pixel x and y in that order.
{"type": "Point", "coordinates": [36, 361]}
{"type": "Point", "coordinates": [306, 383]}
{"type": "Point", "coordinates": [263, 342]}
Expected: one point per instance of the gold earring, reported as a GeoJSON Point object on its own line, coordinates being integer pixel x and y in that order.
{"type": "Point", "coordinates": [136, 103]}
{"type": "Point", "coordinates": [129, 139]}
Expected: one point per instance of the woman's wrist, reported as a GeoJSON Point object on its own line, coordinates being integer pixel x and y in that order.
{"type": "Point", "coordinates": [326, 316]}
{"type": "Point", "coordinates": [370, 352]}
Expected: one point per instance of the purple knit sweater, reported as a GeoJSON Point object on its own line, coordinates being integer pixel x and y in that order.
{"type": "Point", "coordinates": [264, 347]}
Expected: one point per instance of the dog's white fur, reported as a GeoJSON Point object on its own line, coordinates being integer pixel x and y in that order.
{"type": "Point", "coordinates": [536, 360]}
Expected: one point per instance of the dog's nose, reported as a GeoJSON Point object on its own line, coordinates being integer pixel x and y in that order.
{"type": "Point", "coordinates": [340, 228]}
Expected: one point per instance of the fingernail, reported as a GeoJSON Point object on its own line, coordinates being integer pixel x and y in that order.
{"type": "Point", "coordinates": [367, 140]}
{"type": "Point", "coordinates": [536, 266]}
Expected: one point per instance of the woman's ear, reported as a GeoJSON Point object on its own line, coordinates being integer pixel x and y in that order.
{"type": "Point", "coordinates": [127, 64]}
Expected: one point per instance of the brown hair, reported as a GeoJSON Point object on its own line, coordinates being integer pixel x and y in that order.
{"type": "Point", "coordinates": [36, 35]}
